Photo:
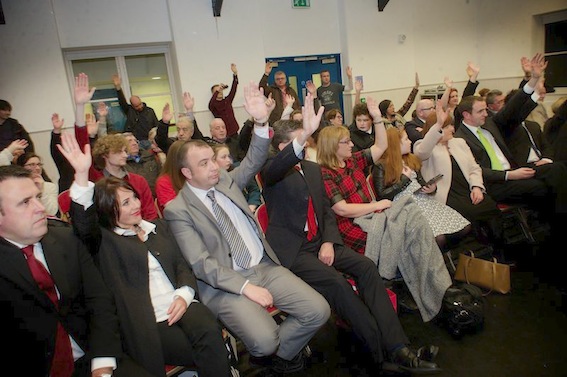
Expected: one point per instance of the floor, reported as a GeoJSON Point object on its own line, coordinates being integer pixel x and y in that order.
{"type": "Point", "coordinates": [525, 331]}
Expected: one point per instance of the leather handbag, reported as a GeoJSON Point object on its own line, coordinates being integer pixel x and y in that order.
{"type": "Point", "coordinates": [487, 274]}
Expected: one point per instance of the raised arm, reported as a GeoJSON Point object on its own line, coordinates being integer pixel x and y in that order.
{"type": "Point", "coordinates": [380, 139]}
{"type": "Point", "coordinates": [117, 81]}
{"type": "Point", "coordinates": [82, 95]}
{"type": "Point", "coordinates": [472, 84]}
{"type": "Point", "coordinates": [411, 97]}
{"type": "Point", "coordinates": [349, 77]}
{"type": "Point", "coordinates": [444, 100]}
{"type": "Point", "coordinates": [232, 93]}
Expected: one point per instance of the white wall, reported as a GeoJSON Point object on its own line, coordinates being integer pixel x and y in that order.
{"type": "Point", "coordinates": [441, 36]}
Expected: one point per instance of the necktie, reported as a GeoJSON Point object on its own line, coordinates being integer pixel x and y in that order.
{"type": "Point", "coordinates": [532, 142]}
{"type": "Point", "coordinates": [311, 217]}
{"type": "Point", "coordinates": [494, 161]}
{"type": "Point", "coordinates": [238, 248]}
{"type": "Point", "coordinates": [63, 363]}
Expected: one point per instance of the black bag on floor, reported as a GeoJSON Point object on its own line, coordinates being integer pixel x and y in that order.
{"type": "Point", "coordinates": [462, 311]}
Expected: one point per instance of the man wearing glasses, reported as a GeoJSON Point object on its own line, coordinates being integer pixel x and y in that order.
{"type": "Point", "coordinates": [423, 108]}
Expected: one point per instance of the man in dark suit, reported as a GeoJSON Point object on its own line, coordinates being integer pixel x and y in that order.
{"type": "Point", "coordinates": [58, 316]}
{"type": "Point", "coordinates": [238, 273]}
{"type": "Point", "coordinates": [414, 127]}
{"type": "Point", "coordinates": [304, 234]}
{"type": "Point", "coordinates": [542, 187]}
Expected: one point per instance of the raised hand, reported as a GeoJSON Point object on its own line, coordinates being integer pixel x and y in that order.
{"type": "Point", "coordinates": [373, 109]}
{"type": "Point", "coordinates": [416, 80]}
{"type": "Point", "coordinates": [79, 160]}
{"type": "Point", "coordinates": [448, 82]}
{"type": "Point", "coordinates": [540, 89]}
{"type": "Point", "coordinates": [233, 69]}
{"type": "Point", "coordinates": [349, 72]}
{"type": "Point", "coordinates": [442, 115]}
{"type": "Point", "coordinates": [92, 125]}
{"type": "Point", "coordinates": [268, 68]}
{"type": "Point", "coordinates": [166, 114]}
{"type": "Point", "coordinates": [472, 71]}
{"type": "Point", "coordinates": [311, 120]}
{"type": "Point", "coordinates": [102, 109]}
{"type": "Point", "coordinates": [539, 64]}
{"type": "Point", "coordinates": [188, 101]}
{"type": "Point", "coordinates": [526, 66]}
{"type": "Point", "coordinates": [17, 145]}
{"type": "Point", "coordinates": [116, 81]}
{"type": "Point", "coordinates": [271, 103]}
{"type": "Point", "coordinates": [255, 103]}
{"type": "Point", "coordinates": [82, 92]}
{"type": "Point", "coordinates": [311, 87]}
{"type": "Point", "coordinates": [57, 123]}
{"type": "Point", "coordinates": [289, 100]}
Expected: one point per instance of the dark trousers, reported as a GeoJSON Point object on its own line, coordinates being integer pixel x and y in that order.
{"type": "Point", "coordinates": [371, 315]}
{"type": "Point", "coordinates": [196, 339]}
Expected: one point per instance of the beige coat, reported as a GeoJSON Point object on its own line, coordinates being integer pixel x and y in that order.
{"type": "Point", "coordinates": [437, 160]}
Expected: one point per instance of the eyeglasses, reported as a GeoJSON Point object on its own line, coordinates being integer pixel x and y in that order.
{"type": "Point", "coordinates": [428, 108]}
{"type": "Point", "coordinates": [34, 165]}
{"type": "Point", "coordinates": [345, 141]}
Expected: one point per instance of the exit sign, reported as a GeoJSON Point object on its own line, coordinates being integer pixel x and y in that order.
{"type": "Point", "coordinates": [301, 3]}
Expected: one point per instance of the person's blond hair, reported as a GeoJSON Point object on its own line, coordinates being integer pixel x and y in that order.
{"type": "Point", "coordinates": [328, 143]}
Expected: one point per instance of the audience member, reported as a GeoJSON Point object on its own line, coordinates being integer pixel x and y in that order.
{"type": "Point", "coordinates": [140, 118]}
{"type": "Point", "coordinates": [414, 127]}
{"type": "Point", "coordinates": [278, 92]}
{"type": "Point", "coordinates": [58, 315]}
{"type": "Point", "coordinates": [109, 152]}
{"type": "Point", "coordinates": [330, 93]}
{"type": "Point", "coordinates": [11, 129]}
{"type": "Point", "coordinates": [362, 132]}
{"type": "Point", "coordinates": [303, 233]}
{"type": "Point", "coordinates": [397, 174]}
{"type": "Point", "coordinates": [462, 187]}
{"type": "Point", "coordinates": [161, 320]}
{"type": "Point", "coordinates": [63, 167]}
{"type": "Point", "coordinates": [221, 106]}
{"type": "Point", "coordinates": [238, 273]}
{"type": "Point", "coordinates": [393, 118]}
{"type": "Point", "coordinates": [396, 236]}
{"type": "Point", "coordinates": [170, 180]}
{"type": "Point", "coordinates": [494, 101]}
{"type": "Point", "coordinates": [142, 161]}
{"type": "Point", "coordinates": [219, 135]}
{"type": "Point", "coordinates": [539, 114]}
{"type": "Point", "coordinates": [450, 98]}
{"type": "Point", "coordinates": [251, 192]}
{"type": "Point", "coordinates": [49, 192]}
{"type": "Point", "coordinates": [187, 128]}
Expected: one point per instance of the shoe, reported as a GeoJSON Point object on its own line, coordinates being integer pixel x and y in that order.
{"type": "Point", "coordinates": [260, 362]}
{"type": "Point", "coordinates": [427, 353]}
{"type": "Point", "coordinates": [282, 366]}
{"type": "Point", "coordinates": [406, 303]}
{"type": "Point", "coordinates": [407, 360]}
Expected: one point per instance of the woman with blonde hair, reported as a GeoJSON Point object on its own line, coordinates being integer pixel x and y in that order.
{"type": "Point", "coordinates": [395, 236]}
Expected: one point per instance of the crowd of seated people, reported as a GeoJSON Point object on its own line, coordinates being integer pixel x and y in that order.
{"type": "Point", "coordinates": [207, 264]}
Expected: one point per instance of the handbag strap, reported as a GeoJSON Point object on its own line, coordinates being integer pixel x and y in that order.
{"type": "Point", "coordinates": [493, 272]}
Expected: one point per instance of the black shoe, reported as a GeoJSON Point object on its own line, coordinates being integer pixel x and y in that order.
{"type": "Point", "coordinates": [282, 366]}
{"type": "Point", "coordinates": [406, 303]}
{"type": "Point", "coordinates": [427, 353]}
{"type": "Point", "coordinates": [407, 360]}
{"type": "Point", "coordinates": [260, 362]}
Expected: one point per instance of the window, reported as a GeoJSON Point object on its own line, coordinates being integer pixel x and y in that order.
{"type": "Point", "coordinates": [144, 71]}
{"type": "Point", "coordinates": [556, 53]}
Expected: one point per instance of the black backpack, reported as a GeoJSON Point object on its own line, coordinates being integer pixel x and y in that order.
{"type": "Point", "coordinates": [462, 310]}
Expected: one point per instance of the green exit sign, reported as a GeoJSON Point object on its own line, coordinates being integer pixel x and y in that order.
{"type": "Point", "coordinates": [301, 3]}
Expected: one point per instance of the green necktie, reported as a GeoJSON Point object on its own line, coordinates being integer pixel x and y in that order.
{"type": "Point", "coordinates": [494, 161]}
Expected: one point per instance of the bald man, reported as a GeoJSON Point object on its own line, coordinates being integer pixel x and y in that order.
{"type": "Point", "coordinates": [423, 108]}
{"type": "Point", "coordinates": [140, 119]}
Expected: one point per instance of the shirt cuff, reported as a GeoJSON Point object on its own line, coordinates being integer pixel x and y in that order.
{"type": "Point", "coordinates": [244, 286]}
{"type": "Point", "coordinates": [81, 194]}
{"type": "Point", "coordinates": [103, 362]}
{"type": "Point", "coordinates": [262, 131]}
{"type": "Point", "coordinates": [535, 96]}
{"type": "Point", "coordinates": [528, 89]}
{"type": "Point", "coordinates": [186, 293]}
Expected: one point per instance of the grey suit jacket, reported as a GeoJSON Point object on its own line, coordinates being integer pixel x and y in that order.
{"type": "Point", "coordinates": [198, 234]}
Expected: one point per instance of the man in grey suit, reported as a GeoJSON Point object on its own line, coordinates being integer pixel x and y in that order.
{"type": "Point", "coordinates": [238, 288]}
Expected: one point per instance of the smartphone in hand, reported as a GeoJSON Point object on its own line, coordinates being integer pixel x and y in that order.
{"type": "Point", "coordinates": [431, 181]}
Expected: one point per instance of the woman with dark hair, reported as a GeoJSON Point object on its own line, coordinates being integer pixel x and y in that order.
{"type": "Point", "coordinates": [49, 190]}
{"type": "Point", "coordinates": [393, 117]}
{"type": "Point", "coordinates": [161, 320]}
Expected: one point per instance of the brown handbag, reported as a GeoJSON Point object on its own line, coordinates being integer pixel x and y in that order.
{"type": "Point", "coordinates": [483, 273]}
